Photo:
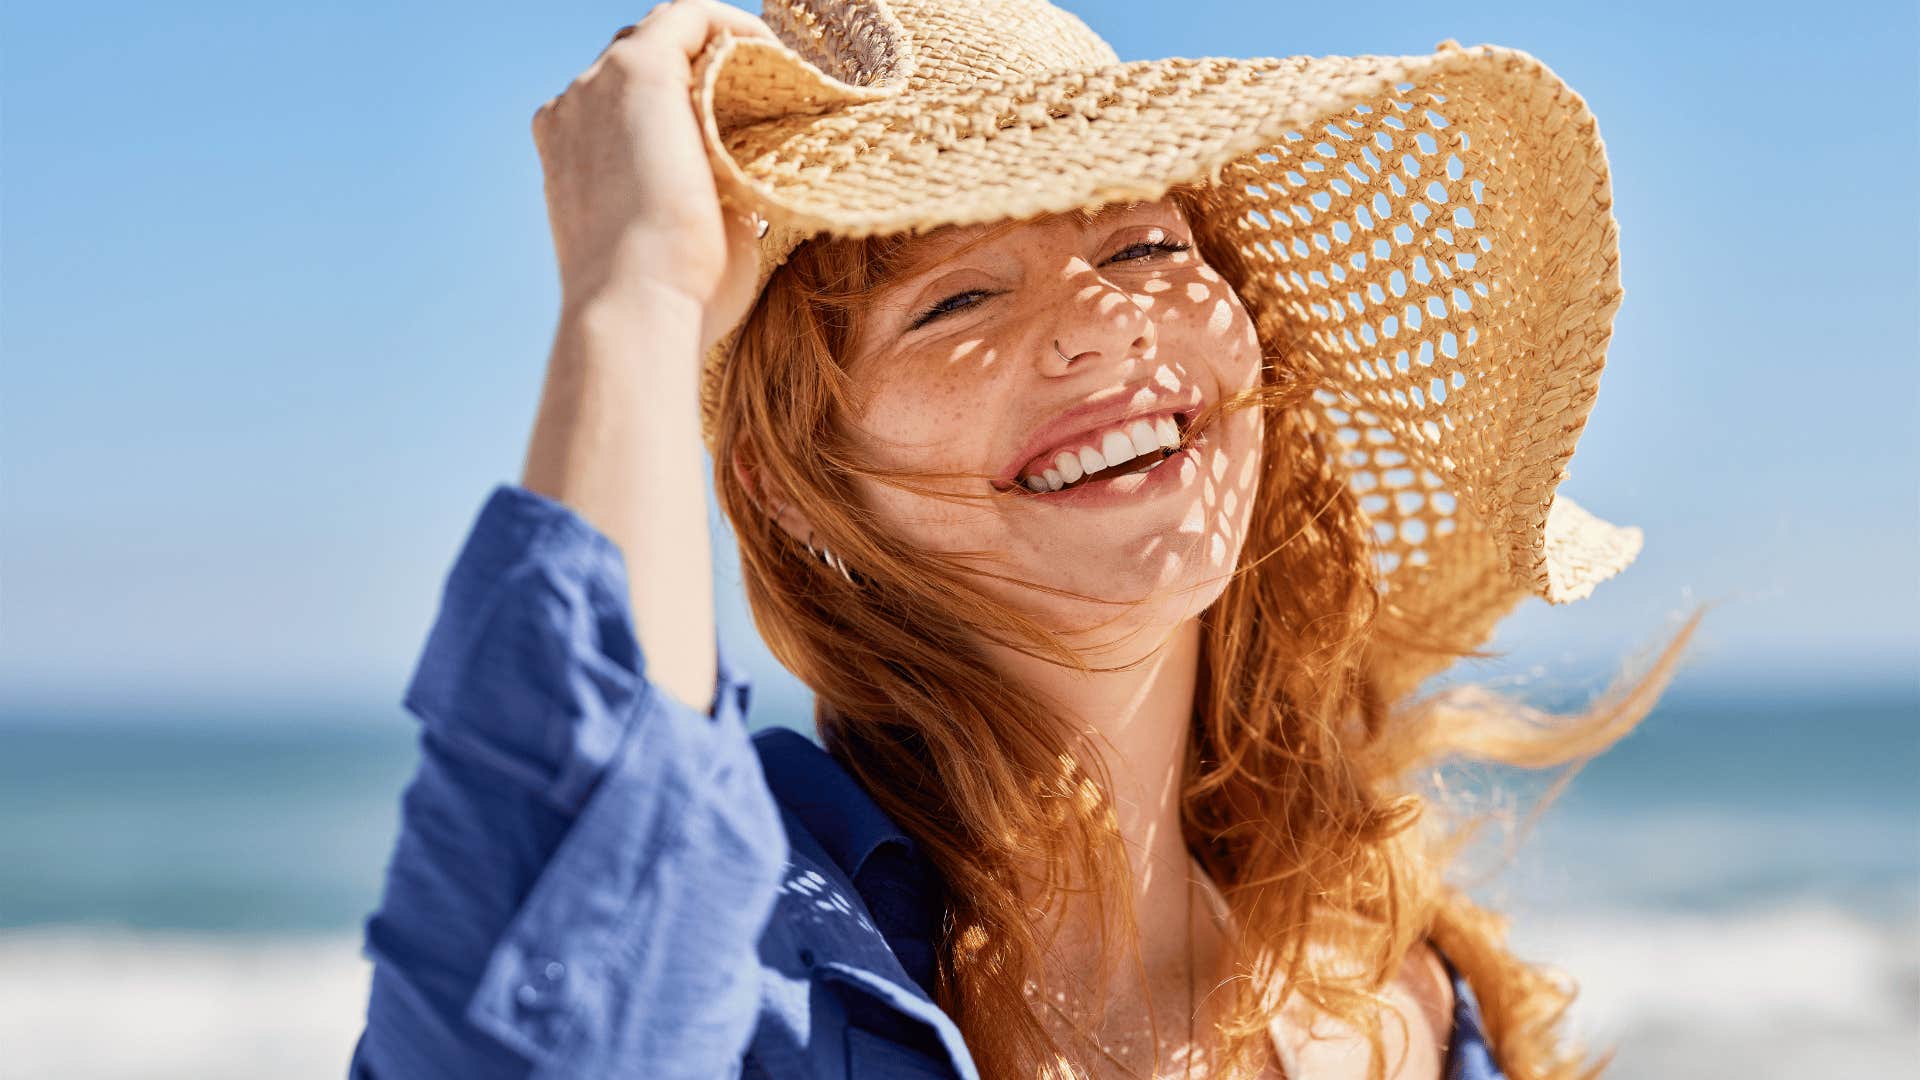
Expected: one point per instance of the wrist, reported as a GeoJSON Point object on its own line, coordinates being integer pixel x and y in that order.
{"type": "Point", "coordinates": [670, 315]}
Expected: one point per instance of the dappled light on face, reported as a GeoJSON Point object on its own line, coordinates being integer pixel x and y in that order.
{"type": "Point", "coordinates": [1036, 320]}
{"type": "Point", "coordinates": [967, 348]}
{"type": "Point", "coordinates": [1229, 495]}
{"type": "Point", "coordinates": [974, 356]}
{"type": "Point", "coordinates": [1221, 316]}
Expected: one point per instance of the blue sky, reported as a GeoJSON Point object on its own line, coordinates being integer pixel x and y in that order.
{"type": "Point", "coordinates": [276, 294]}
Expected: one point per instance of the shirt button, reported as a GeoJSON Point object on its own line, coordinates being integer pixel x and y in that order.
{"type": "Point", "coordinates": [539, 989]}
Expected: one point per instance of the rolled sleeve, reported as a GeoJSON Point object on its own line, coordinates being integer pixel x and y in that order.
{"type": "Point", "coordinates": [532, 667]}
{"type": "Point", "coordinates": [585, 865]}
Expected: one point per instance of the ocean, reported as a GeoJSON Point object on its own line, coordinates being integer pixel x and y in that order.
{"type": "Point", "coordinates": [1736, 888]}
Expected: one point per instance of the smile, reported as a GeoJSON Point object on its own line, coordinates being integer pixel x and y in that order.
{"type": "Point", "coordinates": [1127, 448]}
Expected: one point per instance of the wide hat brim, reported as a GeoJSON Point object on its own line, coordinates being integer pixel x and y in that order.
{"type": "Point", "coordinates": [1430, 237]}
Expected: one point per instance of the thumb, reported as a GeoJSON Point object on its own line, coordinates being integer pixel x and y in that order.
{"type": "Point", "coordinates": [734, 296]}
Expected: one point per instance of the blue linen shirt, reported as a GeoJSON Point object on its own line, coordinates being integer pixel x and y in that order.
{"type": "Point", "coordinates": [592, 879]}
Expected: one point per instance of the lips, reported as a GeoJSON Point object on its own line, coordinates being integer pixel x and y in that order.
{"type": "Point", "coordinates": [1121, 448]}
{"type": "Point", "coordinates": [1097, 436]}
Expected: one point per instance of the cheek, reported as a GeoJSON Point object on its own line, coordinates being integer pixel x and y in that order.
{"type": "Point", "coordinates": [926, 418]}
{"type": "Point", "coordinates": [1206, 316]}
{"type": "Point", "coordinates": [924, 414]}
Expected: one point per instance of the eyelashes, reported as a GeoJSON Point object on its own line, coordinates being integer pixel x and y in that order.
{"type": "Point", "coordinates": [947, 306]}
{"type": "Point", "coordinates": [1156, 246]}
{"type": "Point", "coordinates": [962, 300]}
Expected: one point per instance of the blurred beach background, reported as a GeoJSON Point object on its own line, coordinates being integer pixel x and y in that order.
{"type": "Point", "coordinates": [275, 299]}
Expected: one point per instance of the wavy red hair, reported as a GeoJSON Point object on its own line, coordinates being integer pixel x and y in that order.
{"type": "Point", "coordinates": [1310, 800]}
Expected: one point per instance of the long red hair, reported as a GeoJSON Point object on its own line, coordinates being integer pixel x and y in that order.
{"type": "Point", "coordinates": [1308, 798]}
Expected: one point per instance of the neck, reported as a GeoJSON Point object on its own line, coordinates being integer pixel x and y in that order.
{"type": "Point", "coordinates": [1139, 721]}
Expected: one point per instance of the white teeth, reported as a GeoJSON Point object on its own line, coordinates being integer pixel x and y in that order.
{"type": "Point", "coordinates": [1167, 432]}
{"type": "Point", "coordinates": [1145, 439]}
{"type": "Point", "coordinates": [1139, 438]}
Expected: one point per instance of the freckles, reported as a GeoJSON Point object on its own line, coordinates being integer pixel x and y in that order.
{"type": "Point", "coordinates": [959, 377]}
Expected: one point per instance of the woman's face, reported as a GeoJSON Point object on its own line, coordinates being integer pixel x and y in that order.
{"type": "Point", "coordinates": [1065, 355]}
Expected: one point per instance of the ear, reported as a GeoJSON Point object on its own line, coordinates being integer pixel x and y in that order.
{"type": "Point", "coordinates": [772, 503]}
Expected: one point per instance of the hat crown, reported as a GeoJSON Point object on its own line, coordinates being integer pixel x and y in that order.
{"type": "Point", "coordinates": [932, 44]}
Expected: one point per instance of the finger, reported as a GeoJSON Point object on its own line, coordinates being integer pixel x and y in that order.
{"type": "Point", "coordinates": [742, 23]}
{"type": "Point", "coordinates": [624, 31]}
{"type": "Point", "coordinates": [744, 228]}
{"type": "Point", "coordinates": [687, 25]}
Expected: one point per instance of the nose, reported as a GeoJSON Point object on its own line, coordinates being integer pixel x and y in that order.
{"type": "Point", "coordinates": [1098, 323]}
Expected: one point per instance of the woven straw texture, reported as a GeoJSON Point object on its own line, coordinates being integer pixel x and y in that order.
{"type": "Point", "coordinates": [1431, 237]}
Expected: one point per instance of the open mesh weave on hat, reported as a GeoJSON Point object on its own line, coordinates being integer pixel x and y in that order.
{"type": "Point", "coordinates": [1430, 238]}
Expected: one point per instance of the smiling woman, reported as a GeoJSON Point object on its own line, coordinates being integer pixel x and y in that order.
{"type": "Point", "coordinates": [1066, 691]}
{"type": "Point", "coordinates": [1061, 338]}
{"type": "Point", "coordinates": [1114, 456]}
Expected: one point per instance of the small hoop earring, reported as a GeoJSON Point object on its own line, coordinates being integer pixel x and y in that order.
{"type": "Point", "coordinates": [831, 559]}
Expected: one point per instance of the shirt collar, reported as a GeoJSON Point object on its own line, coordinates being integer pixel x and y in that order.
{"type": "Point", "coordinates": [828, 800]}
{"type": "Point", "coordinates": [900, 887]}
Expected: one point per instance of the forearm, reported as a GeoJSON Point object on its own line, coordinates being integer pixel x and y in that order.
{"type": "Point", "coordinates": [617, 437]}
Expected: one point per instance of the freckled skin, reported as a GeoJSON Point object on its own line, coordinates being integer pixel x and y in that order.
{"type": "Point", "coordinates": [965, 391]}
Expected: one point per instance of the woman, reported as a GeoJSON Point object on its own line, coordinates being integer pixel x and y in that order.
{"type": "Point", "coordinates": [1052, 480]}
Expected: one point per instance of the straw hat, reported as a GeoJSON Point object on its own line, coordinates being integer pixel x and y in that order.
{"type": "Point", "coordinates": [1430, 237]}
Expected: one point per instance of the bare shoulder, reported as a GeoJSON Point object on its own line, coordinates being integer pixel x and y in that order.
{"type": "Point", "coordinates": [1420, 996]}
{"type": "Point", "coordinates": [1427, 1006]}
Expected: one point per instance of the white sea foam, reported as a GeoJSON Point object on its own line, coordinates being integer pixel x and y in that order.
{"type": "Point", "coordinates": [1780, 992]}
{"type": "Point", "coordinates": [85, 1003]}
{"type": "Point", "coordinates": [1795, 990]}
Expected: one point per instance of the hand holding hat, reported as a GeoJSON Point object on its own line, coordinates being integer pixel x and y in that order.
{"type": "Point", "coordinates": [632, 202]}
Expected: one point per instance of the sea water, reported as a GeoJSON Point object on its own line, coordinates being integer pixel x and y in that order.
{"type": "Point", "coordinates": [1735, 887]}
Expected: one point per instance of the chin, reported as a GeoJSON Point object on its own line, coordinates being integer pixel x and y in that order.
{"type": "Point", "coordinates": [1162, 589]}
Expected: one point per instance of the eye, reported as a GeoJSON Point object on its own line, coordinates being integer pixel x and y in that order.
{"type": "Point", "coordinates": [1149, 248]}
{"type": "Point", "coordinates": [948, 306]}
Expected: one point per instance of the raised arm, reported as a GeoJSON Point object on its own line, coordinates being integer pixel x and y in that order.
{"type": "Point", "coordinates": [651, 272]}
{"type": "Point", "coordinates": [588, 852]}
